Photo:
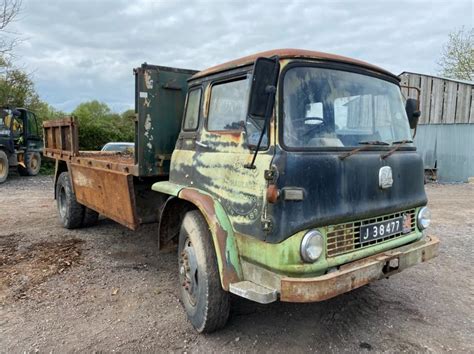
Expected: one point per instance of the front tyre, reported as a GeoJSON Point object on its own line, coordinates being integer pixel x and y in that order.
{"type": "Point", "coordinates": [206, 303]}
{"type": "Point", "coordinates": [71, 213]}
{"type": "Point", "coordinates": [3, 166]}
{"type": "Point", "coordinates": [32, 164]}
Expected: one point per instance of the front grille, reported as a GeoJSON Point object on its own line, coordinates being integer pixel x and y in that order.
{"type": "Point", "coordinates": [345, 238]}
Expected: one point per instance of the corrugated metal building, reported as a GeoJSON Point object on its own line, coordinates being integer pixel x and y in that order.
{"type": "Point", "coordinates": [445, 133]}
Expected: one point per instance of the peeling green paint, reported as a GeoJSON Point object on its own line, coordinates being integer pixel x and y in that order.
{"type": "Point", "coordinates": [231, 250]}
{"type": "Point", "coordinates": [222, 234]}
{"type": "Point", "coordinates": [167, 187]}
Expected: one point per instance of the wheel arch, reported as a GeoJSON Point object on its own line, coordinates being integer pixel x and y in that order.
{"type": "Point", "coordinates": [225, 245]}
{"type": "Point", "coordinates": [171, 214]}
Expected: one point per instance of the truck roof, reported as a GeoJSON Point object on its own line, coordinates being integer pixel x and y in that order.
{"type": "Point", "coordinates": [287, 54]}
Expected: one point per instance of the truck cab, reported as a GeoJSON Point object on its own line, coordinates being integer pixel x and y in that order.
{"type": "Point", "coordinates": [303, 166]}
{"type": "Point", "coordinates": [20, 142]}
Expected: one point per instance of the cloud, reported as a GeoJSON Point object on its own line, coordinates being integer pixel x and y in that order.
{"type": "Point", "coordinates": [82, 50]}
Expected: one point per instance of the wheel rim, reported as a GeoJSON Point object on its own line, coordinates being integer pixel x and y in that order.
{"type": "Point", "coordinates": [62, 202]}
{"type": "Point", "coordinates": [188, 272]}
{"type": "Point", "coordinates": [2, 167]}
{"type": "Point", "coordinates": [34, 162]}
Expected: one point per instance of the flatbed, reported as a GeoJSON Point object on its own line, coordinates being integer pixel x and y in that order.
{"type": "Point", "coordinates": [118, 185]}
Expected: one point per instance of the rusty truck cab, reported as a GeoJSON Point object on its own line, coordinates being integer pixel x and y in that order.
{"type": "Point", "coordinates": [327, 179]}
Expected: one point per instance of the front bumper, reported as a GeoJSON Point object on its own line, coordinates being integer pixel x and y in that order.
{"type": "Point", "coordinates": [358, 273]}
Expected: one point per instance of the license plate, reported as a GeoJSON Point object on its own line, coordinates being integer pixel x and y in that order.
{"type": "Point", "coordinates": [382, 229]}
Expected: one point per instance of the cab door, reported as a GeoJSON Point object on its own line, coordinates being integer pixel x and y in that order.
{"type": "Point", "coordinates": [33, 140]}
{"type": "Point", "coordinates": [222, 154]}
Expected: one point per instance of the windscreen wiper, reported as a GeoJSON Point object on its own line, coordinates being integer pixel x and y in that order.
{"type": "Point", "coordinates": [398, 144]}
{"type": "Point", "coordinates": [373, 142]}
{"type": "Point", "coordinates": [367, 144]}
{"type": "Point", "coordinates": [402, 142]}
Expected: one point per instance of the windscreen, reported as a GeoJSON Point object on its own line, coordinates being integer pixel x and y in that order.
{"type": "Point", "coordinates": [332, 108]}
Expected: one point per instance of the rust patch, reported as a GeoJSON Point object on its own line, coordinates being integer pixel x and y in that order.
{"type": "Point", "coordinates": [288, 53]}
{"type": "Point", "coordinates": [108, 192]}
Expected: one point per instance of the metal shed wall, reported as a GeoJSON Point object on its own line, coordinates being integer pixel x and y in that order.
{"type": "Point", "coordinates": [445, 134]}
{"type": "Point", "coordinates": [449, 148]}
{"type": "Point", "coordinates": [442, 101]}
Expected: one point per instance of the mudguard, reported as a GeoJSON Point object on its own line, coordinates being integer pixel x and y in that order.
{"type": "Point", "coordinates": [221, 229]}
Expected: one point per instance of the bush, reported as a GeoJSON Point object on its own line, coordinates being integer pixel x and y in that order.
{"type": "Point", "coordinates": [98, 125]}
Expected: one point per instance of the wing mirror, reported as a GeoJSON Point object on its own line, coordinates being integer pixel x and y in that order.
{"type": "Point", "coordinates": [262, 92]}
{"type": "Point", "coordinates": [413, 112]}
{"type": "Point", "coordinates": [262, 97]}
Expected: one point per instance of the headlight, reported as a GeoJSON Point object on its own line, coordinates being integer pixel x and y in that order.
{"type": "Point", "coordinates": [424, 218]}
{"type": "Point", "coordinates": [312, 246]}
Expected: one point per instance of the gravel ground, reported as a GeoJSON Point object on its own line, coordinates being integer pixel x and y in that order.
{"type": "Point", "coordinates": [107, 289]}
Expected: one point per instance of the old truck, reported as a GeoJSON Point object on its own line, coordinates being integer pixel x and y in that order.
{"type": "Point", "coordinates": [287, 175]}
{"type": "Point", "coordinates": [20, 142]}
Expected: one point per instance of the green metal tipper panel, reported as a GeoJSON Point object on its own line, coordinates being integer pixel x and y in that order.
{"type": "Point", "coordinates": [160, 94]}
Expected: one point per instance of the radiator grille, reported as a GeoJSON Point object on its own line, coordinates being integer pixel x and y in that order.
{"type": "Point", "coordinates": [345, 238]}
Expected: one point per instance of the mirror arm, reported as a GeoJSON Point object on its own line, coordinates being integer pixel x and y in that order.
{"type": "Point", "coordinates": [251, 165]}
{"type": "Point", "coordinates": [268, 113]}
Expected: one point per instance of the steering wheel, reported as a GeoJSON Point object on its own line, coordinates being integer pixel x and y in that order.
{"type": "Point", "coordinates": [306, 119]}
{"type": "Point", "coordinates": [310, 130]}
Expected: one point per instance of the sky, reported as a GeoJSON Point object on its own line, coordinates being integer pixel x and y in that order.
{"type": "Point", "coordinates": [84, 50]}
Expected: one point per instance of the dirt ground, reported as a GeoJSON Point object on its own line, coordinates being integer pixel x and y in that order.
{"type": "Point", "coordinates": [107, 289]}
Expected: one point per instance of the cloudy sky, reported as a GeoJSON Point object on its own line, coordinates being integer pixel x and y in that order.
{"type": "Point", "coordinates": [83, 50]}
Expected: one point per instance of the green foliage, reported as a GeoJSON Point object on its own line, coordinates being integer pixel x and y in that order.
{"type": "Point", "coordinates": [47, 167]}
{"type": "Point", "coordinates": [18, 90]}
{"type": "Point", "coordinates": [98, 125]}
{"type": "Point", "coordinates": [457, 58]}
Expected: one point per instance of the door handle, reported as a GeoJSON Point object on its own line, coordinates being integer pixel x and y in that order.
{"type": "Point", "coordinates": [201, 144]}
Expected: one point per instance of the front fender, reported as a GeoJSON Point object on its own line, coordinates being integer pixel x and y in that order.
{"type": "Point", "coordinates": [221, 229]}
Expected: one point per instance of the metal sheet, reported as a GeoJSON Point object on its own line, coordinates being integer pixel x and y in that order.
{"type": "Point", "coordinates": [449, 148]}
{"type": "Point", "coordinates": [160, 95]}
{"type": "Point", "coordinates": [108, 192]}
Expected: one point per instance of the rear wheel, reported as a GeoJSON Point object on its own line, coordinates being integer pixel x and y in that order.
{"type": "Point", "coordinates": [32, 164]}
{"type": "Point", "coordinates": [71, 213]}
{"type": "Point", "coordinates": [3, 166]}
{"type": "Point", "coordinates": [206, 303]}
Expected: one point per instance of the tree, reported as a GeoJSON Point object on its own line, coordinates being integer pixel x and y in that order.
{"type": "Point", "coordinates": [457, 57]}
{"type": "Point", "coordinates": [16, 86]}
{"type": "Point", "coordinates": [98, 125]}
{"type": "Point", "coordinates": [18, 90]}
{"type": "Point", "coordinates": [9, 10]}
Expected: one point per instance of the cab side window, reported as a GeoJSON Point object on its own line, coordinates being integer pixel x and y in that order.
{"type": "Point", "coordinates": [32, 126]}
{"type": "Point", "coordinates": [228, 105]}
{"type": "Point", "coordinates": [191, 117]}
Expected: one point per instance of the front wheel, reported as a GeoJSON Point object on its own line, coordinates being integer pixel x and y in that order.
{"type": "Point", "coordinates": [32, 164]}
{"type": "Point", "coordinates": [206, 303]}
{"type": "Point", "coordinates": [3, 166]}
